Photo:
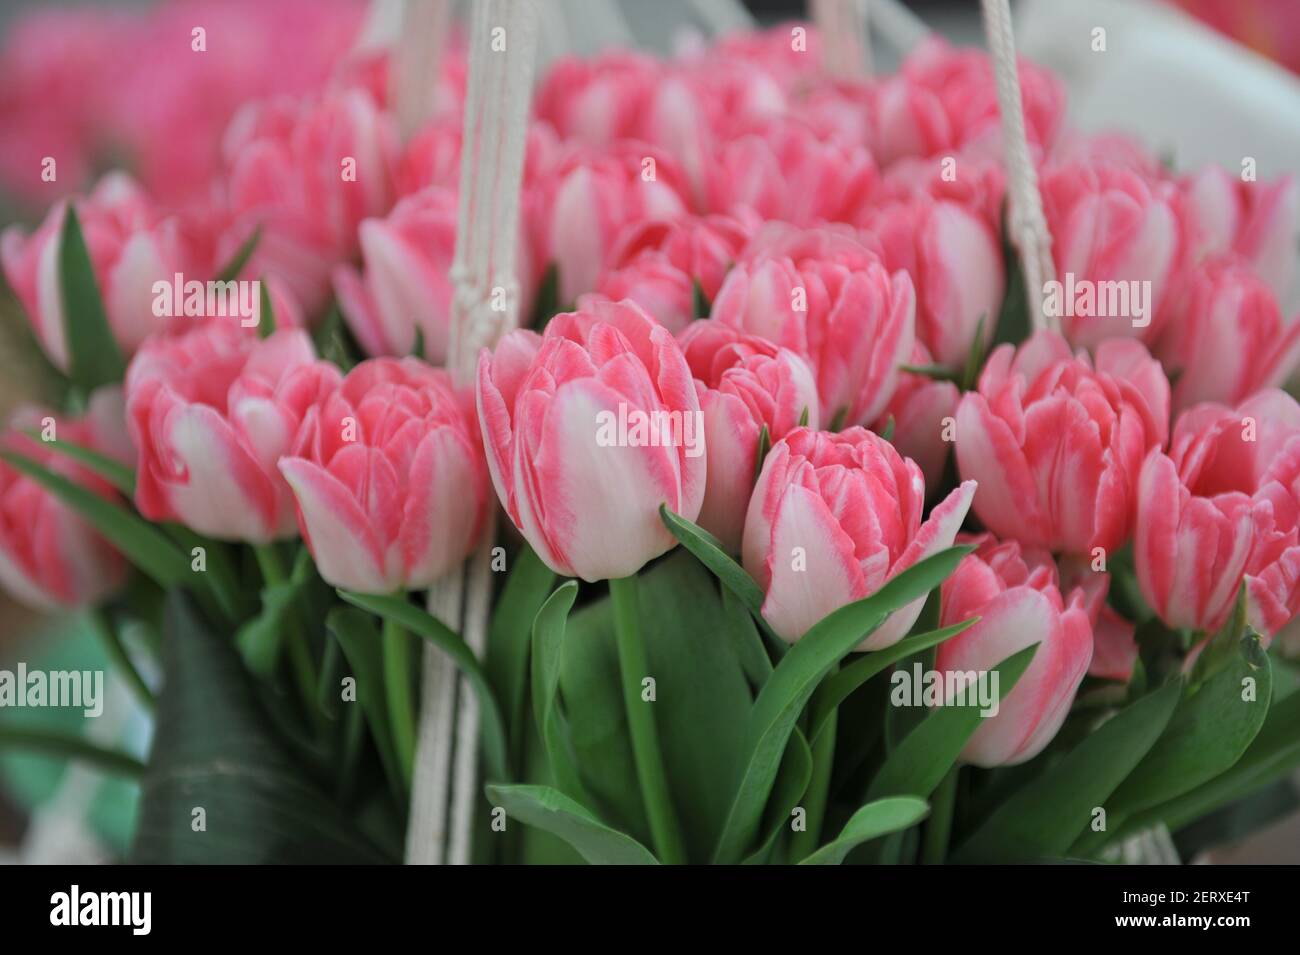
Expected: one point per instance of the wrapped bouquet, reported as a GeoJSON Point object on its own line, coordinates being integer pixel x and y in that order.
{"type": "Point", "coordinates": [731, 456]}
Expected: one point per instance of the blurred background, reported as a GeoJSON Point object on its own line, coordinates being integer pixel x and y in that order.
{"type": "Point", "coordinates": [1197, 80]}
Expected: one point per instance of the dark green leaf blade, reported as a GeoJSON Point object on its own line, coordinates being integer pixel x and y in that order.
{"type": "Point", "coordinates": [795, 678]}
{"type": "Point", "coordinates": [875, 819]}
{"type": "Point", "coordinates": [215, 749]}
{"type": "Point", "coordinates": [926, 754]}
{"type": "Point", "coordinates": [556, 813]}
{"type": "Point", "coordinates": [1043, 818]}
{"type": "Point", "coordinates": [94, 356]}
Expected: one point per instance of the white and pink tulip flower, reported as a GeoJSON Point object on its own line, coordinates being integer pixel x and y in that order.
{"type": "Point", "coordinates": [834, 517]}
{"type": "Point", "coordinates": [132, 245]}
{"type": "Point", "coordinates": [588, 429]}
{"type": "Point", "coordinates": [389, 478]}
{"type": "Point", "coordinates": [746, 384]}
{"type": "Point", "coordinates": [210, 412]}
{"type": "Point", "coordinates": [1056, 442]}
{"type": "Point", "coordinates": [1016, 594]}
{"type": "Point", "coordinates": [854, 323]}
{"type": "Point", "coordinates": [1224, 506]}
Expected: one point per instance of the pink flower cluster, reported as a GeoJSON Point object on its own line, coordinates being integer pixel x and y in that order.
{"type": "Point", "coordinates": [749, 259]}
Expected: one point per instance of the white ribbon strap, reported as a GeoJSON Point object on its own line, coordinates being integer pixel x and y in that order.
{"type": "Point", "coordinates": [503, 40]}
{"type": "Point", "coordinates": [1027, 225]}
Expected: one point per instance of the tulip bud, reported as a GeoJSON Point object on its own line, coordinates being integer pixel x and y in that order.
{"type": "Point", "coordinates": [1015, 592]}
{"type": "Point", "coordinates": [1227, 338]}
{"type": "Point", "coordinates": [833, 518]}
{"type": "Point", "coordinates": [211, 411]}
{"type": "Point", "coordinates": [50, 557]}
{"type": "Point", "coordinates": [1056, 443]}
{"type": "Point", "coordinates": [855, 324]}
{"type": "Point", "coordinates": [131, 247]}
{"type": "Point", "coordinates": [388, 477]}
{"type": "Point", "coordinates": [589, 428]}
{"type": "Point", "coordinates": [746, 384]}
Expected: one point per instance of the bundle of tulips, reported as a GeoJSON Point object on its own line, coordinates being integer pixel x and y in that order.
{"type": "Point", "coordinates": [820, 543]}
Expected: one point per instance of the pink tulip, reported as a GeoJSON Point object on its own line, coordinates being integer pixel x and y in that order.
{"type": "Point", "coordinates": [1056, 444]}
{"type": "Point", "coordinates": [944, 98]}
{"type": "Point", "coordinates": [976, 183]}
{"type": "Point", "coordinates": [924, 413]}
{"type": "Point", "coordinates": [211, 411]}
{"type": "Point", "coordinates": [388, 476]}
{"type": "Point", "coordinates": [955, 261]}
{"type": "Point", "coordinates": [832, 519]}
{"type": "Point", "coordinates": [1190, 550]}
{"type": "Point", "coordinates": [853, 323]}
{"type": "Point", "coordinates": [779, 169]}
{"type": "Point", "coordinates": [1016, 594]}
{"type": "Point", "coordinates": [746, 383]}
{"type": "Point", "coordinates": [1110, 224]}
{"type": "Point", "coordinates": [406, 286]}
{"type": "Point", "coordinates": [50, 557]}
{"type": "Point", "coordinates": [1221, 457]}
{"type": "Point", "coordinates": [656, 264]}
{"type": "Point", "coordinates": [589, 428]}
{"type": "Point", "coordinates": [1226, 337]}
{"type": "Point", "coordinates": [1255, 220]}
{"type": "Point", "coordinates": [308, 173]}
{"type": "Point", "coordinates": [584, 203]}
{"type": "Point", "coordinates": [131, 247]}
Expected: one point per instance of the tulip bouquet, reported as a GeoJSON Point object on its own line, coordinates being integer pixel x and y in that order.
{"type": "Point", "coordinates": [811, 541]}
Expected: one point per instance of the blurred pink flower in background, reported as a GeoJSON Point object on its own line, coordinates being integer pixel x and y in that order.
{"type": "Point", "coordinates": [657, 263]}
{"type": "Point", "coordinates": [955, 261]}
{"type": "Point", "coordinates": [307, 173]}
{"type": "Point", "coordinates": [405, 287]}
{"type": "Point", "coordinates": [1258, 221]}
{"type": "Point", "coordinates": [918, 409]}
{"type": "Point", "coordinates": [82, 85]}
{"type": "Point", "coordinates": [582, 205]}
{"type": "Point", "coordinates": [1225, 502]}
{"type": "Point", "coordinates": [50, 557]}
{"type": "Point", "coordinates": [1111, 224]}
{"type": "Point", "coordinates": [132, 245]}
{"type": "Point", "coordinates": [944, 98]}
{"type": "Point", "coordinates": [388, 476]}
{"type": "Point", "coordinates": [854, 322]}
{"type": "Point", "coordinates": [778, 169]}
{"type": "Point", "coordinates": [1226, 337]}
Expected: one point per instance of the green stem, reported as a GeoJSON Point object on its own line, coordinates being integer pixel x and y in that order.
{"type": "Point", "coordinates": [398, 665]}
{"type": "Point", "coordinates": [641, 723]}
{"type": "Point", "coordinates": [300, 661]}
{"type": "Point", "coordinates": [62, 746]}
{"type": "Point", "coordinates": [121, 660]}
{"type": "Point", "coordinates": [803, 844]}
{"type": "Point", "coordinates": [935, 847]}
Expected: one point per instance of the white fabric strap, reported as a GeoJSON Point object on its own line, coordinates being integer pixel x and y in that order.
{"type": "Point", "coordinates": [498, 96]}
{"type": "Point", "coordinates": [842, 29]}
{"type": "Point", "coordinates": [1027, 225]}
{"type": "Point", "coordinates": [416, 61]}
